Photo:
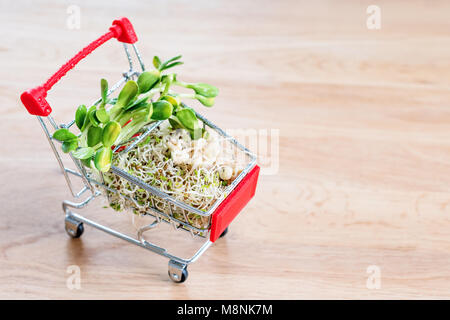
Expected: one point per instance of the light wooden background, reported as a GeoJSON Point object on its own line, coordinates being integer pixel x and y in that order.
{"type": "Point", "coordinates": [364, 148]}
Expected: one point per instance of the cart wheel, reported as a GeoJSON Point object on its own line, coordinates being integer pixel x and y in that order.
{"type": "Point", "coordinates": [177, 272]}
{"type": "Point", "coordinates": [74, 228]}
{"type": "Point", "coordinates": [224, 233]}
{"type": "Point", "coordinates": [174, 277]}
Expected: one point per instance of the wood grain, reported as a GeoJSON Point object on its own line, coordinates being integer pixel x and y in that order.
{"type": "Point", "coordinates": [364, 148]}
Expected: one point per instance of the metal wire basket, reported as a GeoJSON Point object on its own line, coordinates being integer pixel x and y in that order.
{"type": "Point", "coordinates": [161, 206]}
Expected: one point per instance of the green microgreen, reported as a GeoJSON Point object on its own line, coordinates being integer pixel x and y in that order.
{"type": "Point", "coordinates": [83, 153]}
{"type": "Point", "coordinates": [113, 121]}
{"type": "Point", "coordinates": [94, 136]}
{"type": "Point", "coordinates": [80, 116]}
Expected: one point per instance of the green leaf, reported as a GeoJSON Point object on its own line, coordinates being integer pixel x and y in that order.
{"type": "Point", "coordinates": [87, 120]}
{"type": "Point", "coordinates": [83, 153]}
{"type": "Point", "coordinates": [148, 111]}
{"type": "Point", "coordinates": [156, 62]}
{"type": "Point", "coordinates": [137, 104]}
{"type": "Point", "coordinates": [104, 89]}
{"type": "Point", "coordinates": [127, 94]}
{"type": "Point", "coordinates": [110, 133]}
{"type": "Point", "coordinates": [64, 135]}
{"type": "Point", "coordinates": [69, 145]}
{"type": "Point", "coordinates": [207, 102]}
{"type": "Point", "coordinates": [141, 114]}
{"type": "Point", "coordinates": [102, 159]}
{"type": "Point", "coordinates": [102, 115]}
{"type": "Point", "coordinates": [170, 65]}
{"type": "Point", "coordinates": [175, 123]}
{"type": "Point", "coordinates": [164, 78]}
{"type": "Point", "coordinates": [173, 59]}
{"type": "Point", "coordinates": [94, 136]}
{"type": "Point", "coordinates": [174, 101]}
{"type": "Point", "coordinates": [167, 81]}
{"type": "Point", "coordinates": [86, 162]}
{"type": "Point", "coordinates": [163, 66]}
{"type": "Point", "coordinates": [147, 80]}
{"type": "Point", "coordinates": [187, 118]}
{"type": "Point", "coordinates": [80, 115]}
{"type": "Point", "coordinates": [161, 110]}
{"type": "Point", "coordinates": [93, 118]}
{"type": "Point", "coordinates": [204, 89]}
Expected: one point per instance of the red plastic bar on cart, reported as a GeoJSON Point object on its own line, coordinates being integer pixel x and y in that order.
{"type": "Point", "coordinates": [233, 204]}
{"type": "Point", "coordinates": [34, 99]}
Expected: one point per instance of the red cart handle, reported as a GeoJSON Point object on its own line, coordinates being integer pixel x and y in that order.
{"type": "Point", "coordinates": [34, 99]}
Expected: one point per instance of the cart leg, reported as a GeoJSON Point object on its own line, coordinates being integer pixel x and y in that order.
{"type": "Point", "coordinates": [224, 233]}
{"type": "Point", "coordinates": [177, 271]}
{"type": "Point", "coordinates": [73, 227]}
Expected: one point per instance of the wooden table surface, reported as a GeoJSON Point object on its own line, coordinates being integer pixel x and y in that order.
{"type": "Point", "coordinates": [363, 181]}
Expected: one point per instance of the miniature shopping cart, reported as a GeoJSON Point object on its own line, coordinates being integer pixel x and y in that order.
{"type": "Point", "coordinates": [218, 217]}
